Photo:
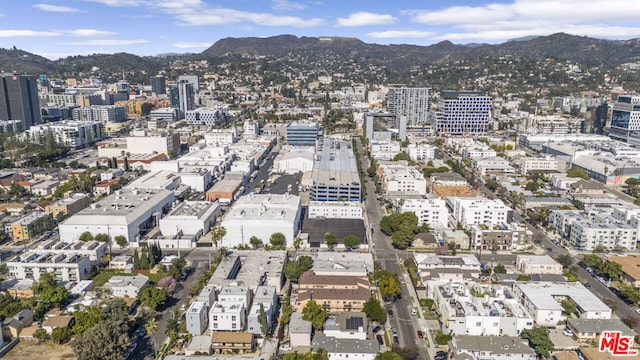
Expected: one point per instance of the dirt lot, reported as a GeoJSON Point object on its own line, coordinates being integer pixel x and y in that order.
{"type": "Point", "coordinates": [46, 351]}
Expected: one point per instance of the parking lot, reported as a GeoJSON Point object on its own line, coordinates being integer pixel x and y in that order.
{"type": "Point", "coordinates": [562, 342]}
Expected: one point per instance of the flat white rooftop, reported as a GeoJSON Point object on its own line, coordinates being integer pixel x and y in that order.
{"type": "Point", "coordinates": [543, 294]}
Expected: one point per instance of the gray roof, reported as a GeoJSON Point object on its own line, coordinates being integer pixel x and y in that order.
{"type": "Point", "coordinates": [494, 344]}
{"type": "Point", "coordinates": [200, 343]}
{"type": "Point", "coordinates": [299, 326]}
{"type": "Point", "coordinates": [599, 325]}
{"type": "Point", "coordinates": [349, 346]}
{"type": "Point", "coordinates": [138, 281]}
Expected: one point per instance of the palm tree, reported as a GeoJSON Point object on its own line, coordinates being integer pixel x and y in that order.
{"type": "Point", "coordinates": [152, 326]}
{"type": "Point", "coordinates": [217, 234]}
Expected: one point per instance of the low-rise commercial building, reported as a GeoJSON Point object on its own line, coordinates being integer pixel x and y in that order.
{"type": "Point", "coordinates": [542, 264]}
{"type": "Point", "coordinates": [190, 218]}
{"type": "Point", "coordinates": [275, 213]}
{"type": "Point", "coordinates": [335, 210]}
{"type": "Point", "coordinates": [69, 205]}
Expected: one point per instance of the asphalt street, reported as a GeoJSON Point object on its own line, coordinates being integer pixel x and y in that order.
{"type": "Point", "coordinates": [386, 255]}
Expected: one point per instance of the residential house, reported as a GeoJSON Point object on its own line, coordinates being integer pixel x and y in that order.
{"type": "Point", "coordinates": [126, 286]}
{"type": "Point", "coordinates": [11, 327]}
{"type": "Point", "coordinates": [587, 330]}
{"type": "Point", "coordinates": [60, 321]}
{"type": "Point", "coordinates": [232, 342]}
{"type": "Point", "coordinates": [630, 266]}
{"type": "Point", "coordinates": [299, 331]}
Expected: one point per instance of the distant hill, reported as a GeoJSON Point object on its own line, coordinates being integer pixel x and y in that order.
{"type": "Point", "coordinates": [588, 51]}
{"type": "Point", "coordinates": [579, 49]}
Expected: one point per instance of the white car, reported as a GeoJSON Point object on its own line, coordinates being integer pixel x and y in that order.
{"type": "Point", "coordinates": [638, 311]}
{"type": "Point", "coordinates": [567, 332]}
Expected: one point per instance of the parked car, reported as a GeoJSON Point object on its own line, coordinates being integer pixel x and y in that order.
{"type": "Point", "coordinates": [420, 334]}
{"type": "Point", "coordinates": [390, 312]}
{"type": "Point", "coordinates": [376, 329]}
{"type": "Point", "coordinates": [396, 341]}
{"type": "Point", "coordinates": [567, 332]}
{"type": "Point", "coordinates": [380, 340]}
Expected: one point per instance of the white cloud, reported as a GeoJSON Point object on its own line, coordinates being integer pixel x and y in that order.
{"type": "Point", "coordinates": [498, 22]}
{"type": "Point", "coordinates": [284, 5]}
{"type": "Point", "coordinates": [366, 19]}
{"type": "Point", "coordinates": [401, 34]}
{"type": "Point", "coordinates": [90, 33]}
{"type": "Point", "coordinates": [230, 16]}
{"type": "Point", "coordinates": [56, 8]}
{"type": "Point", "coordinates": [28, 33]}
{"type": "Point", "coordinates": [191, 45]}
{"type": "Point", "coordinates": [109, 42]}
{"type": "Point", "coordinates": [122, 3]}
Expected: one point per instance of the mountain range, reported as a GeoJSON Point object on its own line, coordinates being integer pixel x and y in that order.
{"type": "Point", "coordinates": [578, 49]}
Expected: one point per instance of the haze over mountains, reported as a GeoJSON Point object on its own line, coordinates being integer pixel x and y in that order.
{"type": "Point", "coordinates": [579, 49]}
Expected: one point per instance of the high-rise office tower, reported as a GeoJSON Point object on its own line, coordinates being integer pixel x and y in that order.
{"type": "Point", "coordinates": [191, 79]}
{"type": "Point", "coordinates": [187, 96]}
{"type": "Point", "coordinates": [625, 117]}
{"type": "Point", "coordinates": [174, 96]}
{"type": "Point", "coordinates": [19, 99]}
{"type": "Point", "coordinates": [158, 85]}
{"type": "Point", "coordinates": [414, 103]}
{"type": "Point", "coordinates": [463, 112]}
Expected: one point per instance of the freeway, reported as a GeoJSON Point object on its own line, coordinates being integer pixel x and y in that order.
{"type": "Point", "coordinates": [386, 256]}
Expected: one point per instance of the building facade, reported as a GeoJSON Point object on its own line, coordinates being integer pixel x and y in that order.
{"type": "Point", "coordinates": [19, 99]}
{"type": "Point", "coordinates": [413, 103]}
{"type": "Point", "coordinates": [462, 113]}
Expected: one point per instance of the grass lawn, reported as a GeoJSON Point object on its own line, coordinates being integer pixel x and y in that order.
{"type": "Point", "coordinates": [33, 351]}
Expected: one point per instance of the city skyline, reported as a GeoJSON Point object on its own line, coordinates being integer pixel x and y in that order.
{"type": "Point", "coordinates": [59, 28]}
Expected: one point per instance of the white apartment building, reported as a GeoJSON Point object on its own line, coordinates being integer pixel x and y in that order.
{"type": "Point", "coordinates": [227, 316]}
{"type": "Point", "coordinates": [144, 142]}
{"type": "Point", "coordinates": [75, 134]}
{"type": "Point", "coordinates": [561, 220]}
{"type": "Point", "coordinates": [95, 250]}
{"type": "Point", "coordinates": [268, 298]}
{"type": "Point", "coordinates": [102, 113]}
{"type": "Point", "coordinates": [400, 178]}
{"type": "Point", "coordinates": [433, 212]}
{"type": "Point", "coordinates": [274, 213]}
{"type": "Point", "coordinates": [384, 149]}
{"type": "Point", "coordinates": [477, 152]}
{"type": "Point", "coordinates": [196, 318]}
{"type": "Point", "coordinates": [235, 293]}
{"type": "Point", "coordinates": [335, 210]}
{"type": "Point", "coordinates": [542, 301]}
{"type": "Point", "coordinates": [218, 137]}
{"type": "Point", "coordinates": [64, 267]}
{"type": "Point", "coordinates": [537, 264]}
{"type": "Point", "coordinates": [251, 128]}
{"type": "Point", "coordinates": [587, 235]}
{"type": "Point", "coordinates": [539, 164]}
{"type": "Point", "coordinates": [346, 349]}
{"type": "Point", "coordinates": [469, 211]}
{"type": "Point", "coordinates": [462, 311]}
{"type": "Point", "coordinates": [491, 347]}
{"type": "Point", "coordinates": [421, 152]}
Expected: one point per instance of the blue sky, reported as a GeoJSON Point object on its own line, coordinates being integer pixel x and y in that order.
{"type": "Point", "coordinates": [58, 28]}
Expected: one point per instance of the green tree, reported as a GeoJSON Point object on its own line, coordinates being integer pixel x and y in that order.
{"type": "Point", "coordinates": [351, 241]}
{"type": "Point", "coordinates": [102, 238]}
{"type": "Point", "coordinates": [532, 186]}
{"type": "Point", "coordinates": [566, 260]}
{"type": "Point", "coordinates": [331, 240]}
{"type": "Point", "coordinates": [152, 327]}
{"type": "Point", "coordinates": [314, 313]}
{"type": "Point", "coordinates": [107, 341]}
{"type": "Point", "coordinates": [177, 268]}
{"type": "Point", "coordinates": [277, 240]}
{"type": "Point", "coordinates": [48, 293]}
{"type": "Point", "coordinates": [255, 242]}
{"type": "Point", "coordinates": [121, 241]}
{"type": "Point", "coordinates": [390, 287]}
{"type": "Point", "coordinates": [285, 313]}
{"type": "Point", "coordinates": [569, 306]}
{"type": "Point", "coordinates": [374, 310]}
{"type": "Point", "coordinates": [262, 318]}
{"type": "Point", "coordinates": [443, 339]}
{"type": "Point", "coordinates": [294, 269]}
{"type": "Point", "coordinates": [523, 277]}
{"type": "Point", "coordinates": [217, 233]}
{"type": "Point", "coordinates": [539, 340]}
{"type": "Point", "coordinates": [577, 173]}
{"type": "Point", "coordinates": [297, 243]}
{"type": "Point", "coordinates": [86, 318]}
{"type": "Point", "coordinates": [41, 335]}
{"type": "Point", "coordinates": [60, 335]}
{"type": "Point", "coordinates": [500, 269]}
{"type": "Point", "coordinates": [86, 236]}
{"type": "Point", "coordinates": [153, 297]}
